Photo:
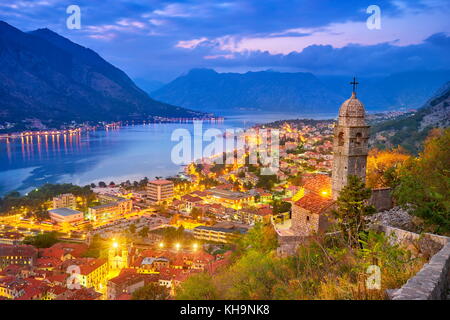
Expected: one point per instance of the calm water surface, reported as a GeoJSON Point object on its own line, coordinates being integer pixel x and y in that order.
{"type": "Point", "coordinates": [127, 153]}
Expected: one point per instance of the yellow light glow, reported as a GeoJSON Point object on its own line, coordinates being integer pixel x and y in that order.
{"type": "Point", "coordinates": [195, 246]}
{"type": "Point", "coordinates": [177, 246]}
{"type": "Point", "coordinates": [161, 244]}
{"type": "Point", "coordinates": [115, 245]}
{"type": "Point", "coordinates": [324, 193]}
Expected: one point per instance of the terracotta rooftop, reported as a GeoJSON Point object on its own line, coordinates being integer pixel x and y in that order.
{"type": "Point", "coordinates": [314, 203]}
{"type": "Point", "coordinates": [161, 182]}
{"type": "Point", "coordinates": [317, 183]}
{"type": "Point", "coordinates": [190, 198]}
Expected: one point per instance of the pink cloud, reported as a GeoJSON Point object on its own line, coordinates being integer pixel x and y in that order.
{"type": "Point", "coordinates": [217, 56]}
{"type": "Point", "coordinates": [190, 44]}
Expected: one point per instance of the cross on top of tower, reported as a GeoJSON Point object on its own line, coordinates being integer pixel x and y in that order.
{"type": "Point", "coordinates": [354, 83]}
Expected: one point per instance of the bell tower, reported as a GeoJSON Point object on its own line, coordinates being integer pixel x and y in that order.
{"type": "Point", "coordinates": [350, 143]}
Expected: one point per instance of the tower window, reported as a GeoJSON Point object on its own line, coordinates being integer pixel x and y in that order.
{"type": "Point", "coordinates": [341, 139]}
{"type": "Point", "coordinates": [358, 138]}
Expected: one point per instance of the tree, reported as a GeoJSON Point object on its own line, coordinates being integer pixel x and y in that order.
{"type": "Point", "coordinates": [152, 291]}
{"type": "Point", "coordinates": [261, 238]}
{"type": "Point", "coordinates": [266, 181]}
{"type": "Point", "coordinates": [144, 232]}
{"type": "Point", "coordinates": [44, 240]}
{"type": "Point", "coordinates": [352, 208]}
{"type": "Point", "coordinates": [383, 167]}
{"type": "Point", "coordinates": [280, 206]}
{"type": "Point", "coordinates": [424, 182]}
{"type": "Point", "coordinates": [197, 287]}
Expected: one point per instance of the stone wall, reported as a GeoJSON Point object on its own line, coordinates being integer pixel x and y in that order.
{"type": "Point", "coordinates": [432, 282]}
{"type": "Point", "coordinates": [381, 199]}
{"type": "Point", "coordinates": [404, 237]}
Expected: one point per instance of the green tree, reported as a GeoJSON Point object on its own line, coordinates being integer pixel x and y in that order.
{"type": "Point", "coordinates": [262, 238]}
{"type": "Point", "coordinates": [152, 291]}
{"type": "Point", "coordinates": [352, 208]}
{"type": "Point", "coordinates": [424, 182]}
{"type": "Point", "coordinates": [280, 206]}
{"type": "Point", "coordinates": [144, 232]}
{"type": "Point", "coordinates": [197, 287]}
{"type": "Point", "coordinates": [44, 240]}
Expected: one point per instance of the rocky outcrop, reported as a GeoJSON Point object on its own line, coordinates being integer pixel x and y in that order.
{"type": "Point", "coordinates": [397, 217]}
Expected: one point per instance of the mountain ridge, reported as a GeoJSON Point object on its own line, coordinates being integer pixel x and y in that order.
{"type": "Point", "coordinates": [208, 90]}
{"type": "Point", "coordinates": [409, 131]}
{"type": "Point", "coordinates": [260, 91]}
{"type": "Point", "coordinates": [47, 77]}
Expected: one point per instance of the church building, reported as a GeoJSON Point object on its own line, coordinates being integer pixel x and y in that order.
{"type": "Point", "coordinates": [350, 143]}
{"type": "Point", "coordinates": [312, 212]}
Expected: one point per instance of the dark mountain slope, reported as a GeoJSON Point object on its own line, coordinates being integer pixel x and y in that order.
{"type": "Point", "coordinates": [410, 130]}
{"type": "Point", "coordinates": [207, 90]}
{"type": "Point", "coordinates": [270, 91]}
{"type": "Point", "coordinates": [47, 77]}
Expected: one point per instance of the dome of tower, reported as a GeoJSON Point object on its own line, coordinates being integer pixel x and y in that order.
{"type": "Point", "coordinates": [352, 108]}
{"type": "Point", "coordinates": [352, 112]}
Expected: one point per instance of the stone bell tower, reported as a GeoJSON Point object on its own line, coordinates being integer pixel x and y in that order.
{"type": "Point", "coordinates": [350, 143]}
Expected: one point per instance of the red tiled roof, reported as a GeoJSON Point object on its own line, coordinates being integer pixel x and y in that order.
{"type": "Point", "coordinates": [48, 262]}
{"type": "Point", "coordinates": [124, 296]}
{"type": "Point", "coordinates": [190, 198]}
{"type": "Point", "coordinates": [264, 212]}
{"type": "Point", "coordinates": [227, 186]}
{"type": "Point", "coordinates": [74, 249]}
{"type": "Point", "coordinates": [127, 276]}
{"type": "Point", "coordinates": [87, 265]}
{"type": "Point", "coordinates": [314, 203]}
{"type": "Point", "coordinates": [79, 294]}
{"type": "Point", "coordinates": [160, 182]}
{"type": "Point", "coordinates": [317, 183]}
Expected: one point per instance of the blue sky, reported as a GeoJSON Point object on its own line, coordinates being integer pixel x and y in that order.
{"type": "Point", "coordinates": [158, 40]}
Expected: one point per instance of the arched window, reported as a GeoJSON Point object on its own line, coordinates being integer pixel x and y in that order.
{"type": "Point", "coordinates": [341, 139]}
{"type": "Point", "coordinates": [358, 138]}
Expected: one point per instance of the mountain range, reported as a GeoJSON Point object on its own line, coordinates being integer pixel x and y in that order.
{"type": "Point", "coordinates": [47, 77]}
{"type": "Point", "coordinates": [410, 130]}
{"type": "Point", "coordinates": [299, 92]}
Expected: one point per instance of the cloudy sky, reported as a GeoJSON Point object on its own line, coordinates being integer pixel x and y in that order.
{"type": "Point", "coordinates": [158, 40]}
